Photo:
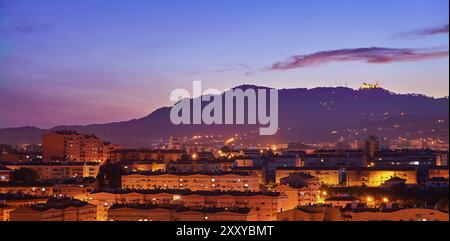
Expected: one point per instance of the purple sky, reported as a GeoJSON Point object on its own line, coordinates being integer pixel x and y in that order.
{"type": "Point", "coordinates": [95, 61]}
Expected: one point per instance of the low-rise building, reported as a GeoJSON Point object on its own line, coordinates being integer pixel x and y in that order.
{"type": "Point", "coordinates": [327, 175]}
{"type": "Point", "coordinates": [15, 156]}
{"type": "Point", "coordinates": [56, 210]}
{"type": "Point", "coordinates": [437, 182]}
{"type": "Point", "coordinates": [62, 188]}
{"type": "Point", "coordinates": [352, 176]}
{"type": "Point", "coordinates": [314, 214]}
{"type": "Point", "coordinates": [21, 200]}
{"type": "Point", "coordinates": [410, 157]}
{"type": "Point", "coordinates": [202, 165]}
{"type": "Point", "coordinates": [257, 170]}
{"type": "Point", "coordinates": [335, 159]}
{"type": "Point", "coordinates": [441, 171]}
{"type": "Point", "coordinates": [301, 189]}
{"type": "Point", "coordinates": [139, 212]}
{"type": "Point", "coordinates": [224, 181]}
{"type": "Point", "coordinates": [412, 214]}
{"type": "Point", "coordinates": [265, 204]}
{"type": "Point", "coordinates": [341, 201]}
{"type": "Point", "coordinates": [143, 166]}
{"type": "Point", "coordinates": [64, 170]}
{"type": "Point", "coordinates": [377, 176]}
{"type": "Point", "coordinates": [326, 213]}
{"type": "Point", "coordinates": [34, 189]}
{"type": "Point", "coordinates": [165, 156]}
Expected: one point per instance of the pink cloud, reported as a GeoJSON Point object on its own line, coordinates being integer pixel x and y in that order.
{"type": "Point", "coordinates": [443, 29]}
{"type": "Point", "coordinates": [372, 55]}
{"type": "Point", "coordinates": [432, 31]}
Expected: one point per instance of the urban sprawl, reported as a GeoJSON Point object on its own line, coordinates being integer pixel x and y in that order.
{"type": "Point", "coordinates": [78, 177]}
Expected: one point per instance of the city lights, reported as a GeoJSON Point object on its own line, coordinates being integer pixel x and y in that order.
{"type": "Point", "coordinates": [300, 111]}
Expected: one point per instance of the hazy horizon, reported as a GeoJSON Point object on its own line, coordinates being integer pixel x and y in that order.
{"type": "Point", "coordinates": [168, 106]}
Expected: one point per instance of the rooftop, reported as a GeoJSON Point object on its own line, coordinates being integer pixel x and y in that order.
{"type": "Point", "coordinates": [175, 173]}
{"type": "Point", "coordinates": [438, 179]}
{"type": "Point", "coordinates": [341, 198]}
{"type": "Point", "coordinates": [20, 196]}
{"type": "Point", "coordinates": [187, 192]}
{"type": "Point", "coordinates": [157, 151]}
{"type": "Point", "coordinates": [396, 179]}
{"type": "Point", "coordinates": [131, 162]}
{"type": "Point", "coordinates": [55, 164]}
{"type": "Point", "coordinates": [59, 203]}
{"type": "Point", "coordinates": [390, 168]}
{"type": "Point", "coordinates": [50, 183]}
{"type": "Point", "coordinates": [180, 209]}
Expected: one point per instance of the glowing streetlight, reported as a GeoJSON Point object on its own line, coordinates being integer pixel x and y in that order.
{"type": "Point", "coordinates": [385, 200]}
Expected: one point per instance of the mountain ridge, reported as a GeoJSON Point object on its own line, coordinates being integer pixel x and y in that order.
{"type": "Point", "coordinates": [309, 114]}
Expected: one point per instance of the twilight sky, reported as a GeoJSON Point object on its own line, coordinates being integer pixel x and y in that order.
{"type": "Point", "coordinates": [96, 61]}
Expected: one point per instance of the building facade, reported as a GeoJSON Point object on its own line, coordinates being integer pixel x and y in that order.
{"type": "Point", "coordinates": [266, 205]}
{"type": "Point", "coordinates": [155, 213]}
{"type": "Point", "coordinates": [72, 146]}
{"type": "Point", "coordinates": [67, 170]}
{"type": "Point", "coordinates": [193, 181]}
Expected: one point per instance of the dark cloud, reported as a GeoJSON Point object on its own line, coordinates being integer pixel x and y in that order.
{"type": "Point", "coordinates": [432, 31]}
{"type": "Point", "coordinates": [368, 55]}
{"type": "Point", "coordinates": [425, 32]}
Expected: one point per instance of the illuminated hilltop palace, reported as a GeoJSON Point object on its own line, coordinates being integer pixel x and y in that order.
{"type": "Point", "coordinates": [370, 86]}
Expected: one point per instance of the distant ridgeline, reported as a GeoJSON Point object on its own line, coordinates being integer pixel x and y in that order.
{"type": "Point", "coordinates": [308, 115]}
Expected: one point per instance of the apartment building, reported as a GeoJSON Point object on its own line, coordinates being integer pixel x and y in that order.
{"type": "Point", "coordinates": [138, 212]}
{"type": "Point", "coordinates": [193, 181]}
{"type": "Point", "coordinates": [56, 210]}
{"type": "Point", "coordinates": [165, 156]}
{"type": "Point", "coordinates": [266, 204]}
{"type": "Point", "coordinates": [72, 146]}
{"type": "Point", "coordinates": [65, 170]}
{"type": "Point", "coordinates": [352, 176]}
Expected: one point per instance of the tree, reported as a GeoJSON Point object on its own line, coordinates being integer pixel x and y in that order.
{"type": "Point", "coordinates": [24, 175]}
{"type": "Point", "coordinates": [110, 175]}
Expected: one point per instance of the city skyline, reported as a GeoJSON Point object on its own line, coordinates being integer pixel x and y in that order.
{"type": "Point", "coordinates": [84, 62]}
